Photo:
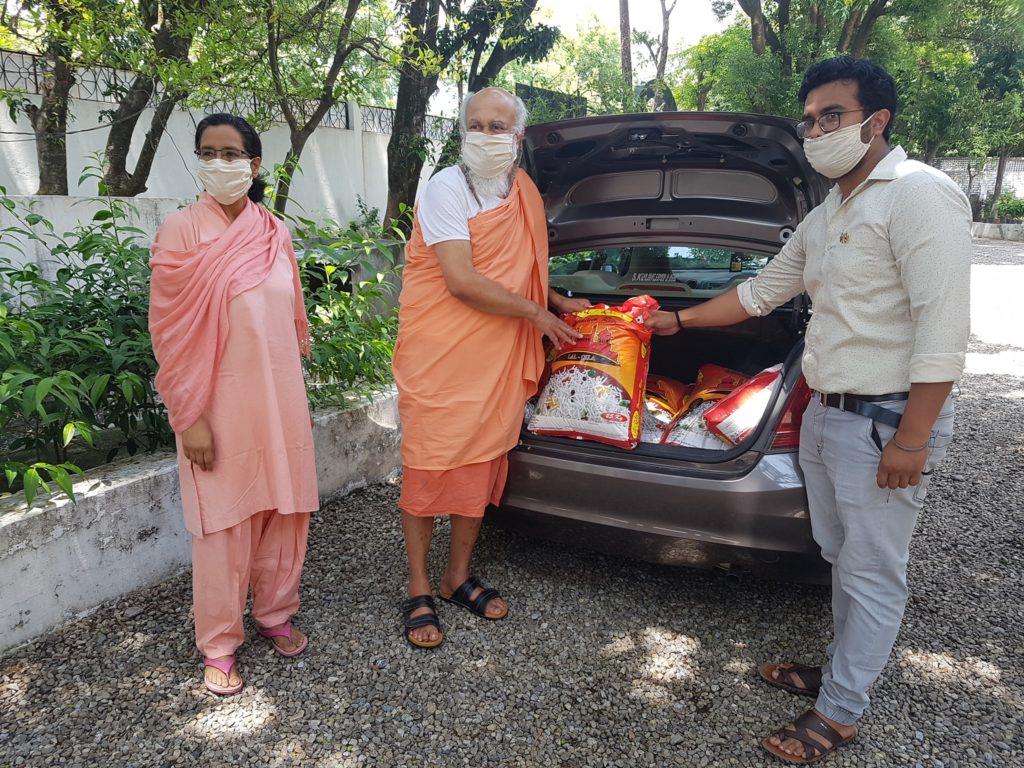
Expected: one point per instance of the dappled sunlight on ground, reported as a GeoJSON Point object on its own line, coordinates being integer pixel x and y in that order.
{"type": "Point", "coordinates": [947, 669]}
{"type": "Point", "coordinates": [257, 711]}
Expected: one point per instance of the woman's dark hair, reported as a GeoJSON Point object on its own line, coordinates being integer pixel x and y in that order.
{"type": "Point", "coordinates": [250, 142]}
{"type": "Point", "coordinates": [875, 87]}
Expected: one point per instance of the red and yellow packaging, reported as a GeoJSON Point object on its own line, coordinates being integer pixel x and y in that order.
{"type": "Point", "coordinates": [595, 387]}
{"type": "Point", "coordinates": [713, 383]}
{"type": "Point", "coordinates": [733, 418]}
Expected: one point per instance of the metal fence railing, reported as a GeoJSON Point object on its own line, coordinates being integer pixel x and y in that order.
{"type": "Point", "coordinates": [981, 181]}
{"type": "Point", "coordinates": [24, 73]}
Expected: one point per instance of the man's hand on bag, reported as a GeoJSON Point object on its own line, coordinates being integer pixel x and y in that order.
{"type": "Point", "coordinates": [899, 468]}
{"type": "Point", "coordinates": [197, 444]}
{"type": "Point", "coordinates": [663, 323]}
{"type": "Point", "coordinates": [552, 326]}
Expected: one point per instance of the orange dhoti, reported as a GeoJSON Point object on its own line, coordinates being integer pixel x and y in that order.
{"type": "Point", "coordinates": [464, 375]}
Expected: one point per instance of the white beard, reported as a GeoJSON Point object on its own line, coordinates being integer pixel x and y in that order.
{"type": "Point", "coordinates": [499, 186]}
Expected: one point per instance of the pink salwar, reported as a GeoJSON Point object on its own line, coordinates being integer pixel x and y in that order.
{"type": "Point", "coordinates": [266, 552]}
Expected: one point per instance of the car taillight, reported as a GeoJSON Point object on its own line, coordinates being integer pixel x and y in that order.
{"type": "Point", "coordinates": [787, 431]}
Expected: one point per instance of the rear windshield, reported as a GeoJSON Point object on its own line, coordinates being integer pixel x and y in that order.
{"type": "Point", "coordinates": [657, 270]}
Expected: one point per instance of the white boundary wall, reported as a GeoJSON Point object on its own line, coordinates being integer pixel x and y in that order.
{"type": "Point", "coordinates": [339, 165]}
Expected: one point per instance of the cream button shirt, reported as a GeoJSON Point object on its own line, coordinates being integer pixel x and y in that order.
{"type": "Point", "coordinates": [888, 272]}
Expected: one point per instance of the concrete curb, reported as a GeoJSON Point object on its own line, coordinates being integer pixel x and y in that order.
{"type": "Point", "coordinates": [998, 231]}
{"type": "Point", "coordinates": [60, 559]}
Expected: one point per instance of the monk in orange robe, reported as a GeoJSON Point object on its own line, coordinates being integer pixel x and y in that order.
{"type": "Point", "coordinates": [228, 322]}
{"type": "Point", "coordinates": [473, 310]}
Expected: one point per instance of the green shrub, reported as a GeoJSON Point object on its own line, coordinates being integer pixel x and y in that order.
{"type": "Point", "coordinates": [75, 352]}
{"type": "Point", "coordinates": [351, 278]}
{"type": "Point", "coordinates": [1010, 207]}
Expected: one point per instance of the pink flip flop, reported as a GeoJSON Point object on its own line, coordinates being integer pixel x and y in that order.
{"type": "Point", "coordinates": [224, 666]}
{"type": "Point", "coordinates": [285, 630]}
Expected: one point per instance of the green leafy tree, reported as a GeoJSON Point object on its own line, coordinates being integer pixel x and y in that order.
{"type": "Point", "coordinates": [585, 65]}
{"type": "Point", "coordinates": [155, 46]}
{"type": "Point", "coordinates": [473, 42]}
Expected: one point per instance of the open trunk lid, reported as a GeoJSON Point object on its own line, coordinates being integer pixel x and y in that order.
{"type": "Point", "coordinates": [721, 179]}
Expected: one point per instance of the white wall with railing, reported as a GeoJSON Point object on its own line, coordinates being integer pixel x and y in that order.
{"type": "Point", "coordinates": [344, 161]}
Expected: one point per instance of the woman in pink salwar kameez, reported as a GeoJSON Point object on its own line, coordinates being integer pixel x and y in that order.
{"type": "Point", "coordinates": [229, 328]}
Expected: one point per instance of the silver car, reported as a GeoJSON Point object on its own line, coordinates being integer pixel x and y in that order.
{"type": "Point", "coordinates": [680, 206]}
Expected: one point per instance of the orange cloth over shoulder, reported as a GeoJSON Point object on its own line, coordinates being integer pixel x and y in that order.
{"type": "Point", "coordinates": [463, 375]}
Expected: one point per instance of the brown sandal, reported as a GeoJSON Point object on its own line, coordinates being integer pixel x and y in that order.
{"type": "Point", "coordinates": [792, 678]}
{"type": "Point", "coordinates": [800, 730]}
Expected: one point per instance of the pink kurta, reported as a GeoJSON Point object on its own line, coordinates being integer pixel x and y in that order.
{"type": "Point", "coordinates": [258, 412]}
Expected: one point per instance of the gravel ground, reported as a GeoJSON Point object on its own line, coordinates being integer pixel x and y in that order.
{"type": "Point", "coordinates": [603, 662]}
{"type": "Point", "coordinates": [998, 252]}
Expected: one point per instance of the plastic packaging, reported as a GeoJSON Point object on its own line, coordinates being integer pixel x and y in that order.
{"type": "Point", "coordinates": [595, 388]}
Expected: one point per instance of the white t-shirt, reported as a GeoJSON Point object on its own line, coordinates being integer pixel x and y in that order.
{"type": "Point", "coordinates": [446, 205]}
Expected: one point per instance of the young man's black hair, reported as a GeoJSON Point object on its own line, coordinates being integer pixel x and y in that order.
{"type": "Point", "coordinates": [875, 87]}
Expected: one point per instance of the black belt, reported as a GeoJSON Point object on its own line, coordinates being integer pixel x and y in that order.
{"type": "Point", "coordinates": [863, 405]}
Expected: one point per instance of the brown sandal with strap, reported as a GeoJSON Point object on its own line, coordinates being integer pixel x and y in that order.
{"type": "Point", "coordinates": [792, 678]}
{"type": "Point", "coordinates": [815, 749]}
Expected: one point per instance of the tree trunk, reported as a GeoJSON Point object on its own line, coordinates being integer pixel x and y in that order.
{"type": "Point", "coordinates": [625, 46]}
{"type": "Point", "coordinates": [291, 162]}
{"type": "Point", "coordinates": [850, 26]}
{"type": "Point", "coordinates": [169, 47]}
{"type": "Point", "coordinates": [875, 11]}
{"type": "Point", "coordinates": [787, 58]}
{"type": "Point", "coordinates": [50, 123]}
{"type": "Point", "coordinates": [997, 188]}
{"type": "Point", "coordinates": [758, 25]}
{"type": "Point", "coordinates": [50, 118]}
{"type": "Point", "coordinates": [662, 61]}
{"type": "Point", "coordinates": [300, 130]}
{"type": "Point", "coordinates": [703, 91]}
{"type": "Point", "coordinates": [408, 145]}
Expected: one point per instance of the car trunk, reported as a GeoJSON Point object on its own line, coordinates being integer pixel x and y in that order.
{"type": "Point", "coordinates": [748, 347]}
{"type": "Point", "coordinates": [626, 194]}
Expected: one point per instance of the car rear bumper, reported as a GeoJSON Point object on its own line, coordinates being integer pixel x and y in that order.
{"type": "Point", "coordinates": [756, 522]}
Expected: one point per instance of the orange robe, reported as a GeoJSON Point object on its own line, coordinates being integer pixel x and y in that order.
{"type": "Point", "coordinates": [464, 375]}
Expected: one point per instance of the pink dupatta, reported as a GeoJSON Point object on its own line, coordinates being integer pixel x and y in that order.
{"type": "Point", "coordinates": [188, 305]}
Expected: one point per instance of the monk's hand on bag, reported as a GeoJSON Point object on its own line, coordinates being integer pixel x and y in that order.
{"type": "Point", "coordinates": [552, 326]}
{"type": "Point", "coordinates": [567, 306]}
{"type": "Point", "coordinates": [197, 444]}
{"type": "Point", "coordinates": [899, 468]}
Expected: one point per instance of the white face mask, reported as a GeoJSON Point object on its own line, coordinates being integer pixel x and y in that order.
{"type": "Point", "coordinates": [226, 181]}
{"type": "Point", "coordinates": [489, 155]}
{"type": "Point", "coordinates": [836, 154]}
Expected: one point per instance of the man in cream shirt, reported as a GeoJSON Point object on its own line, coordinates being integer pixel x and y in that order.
{"type": "Point", "coordinates": [886, 262]}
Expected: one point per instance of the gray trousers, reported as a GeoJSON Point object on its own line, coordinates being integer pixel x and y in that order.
{"type": "Point", "coordinates": [864, 533]}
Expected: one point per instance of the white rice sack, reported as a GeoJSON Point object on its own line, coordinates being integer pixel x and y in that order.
{"type": "Point", "coordinates": [690, 431]}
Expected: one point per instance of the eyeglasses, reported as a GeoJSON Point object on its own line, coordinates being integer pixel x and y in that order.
{"type": "Point", "coordinates": [224, 154]}
{"type": "Point", "coordinates": [827, 122]}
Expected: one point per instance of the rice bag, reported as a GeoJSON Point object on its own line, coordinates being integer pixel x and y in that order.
{"type": "Point", "coordinates": [656, 418]}
{"type": "Point", "coordinates": [713, 383]}
{"type": "Point", "coordinates": [663, 399]}
{"type": "Point", "coordinates": [670, 393]}
{"type": "Point", "coordinates": [734, 417]}
{"type": "Point", "coordinates": [595, 386]}
{"type": "Point", "coordinates": [688, 430]}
